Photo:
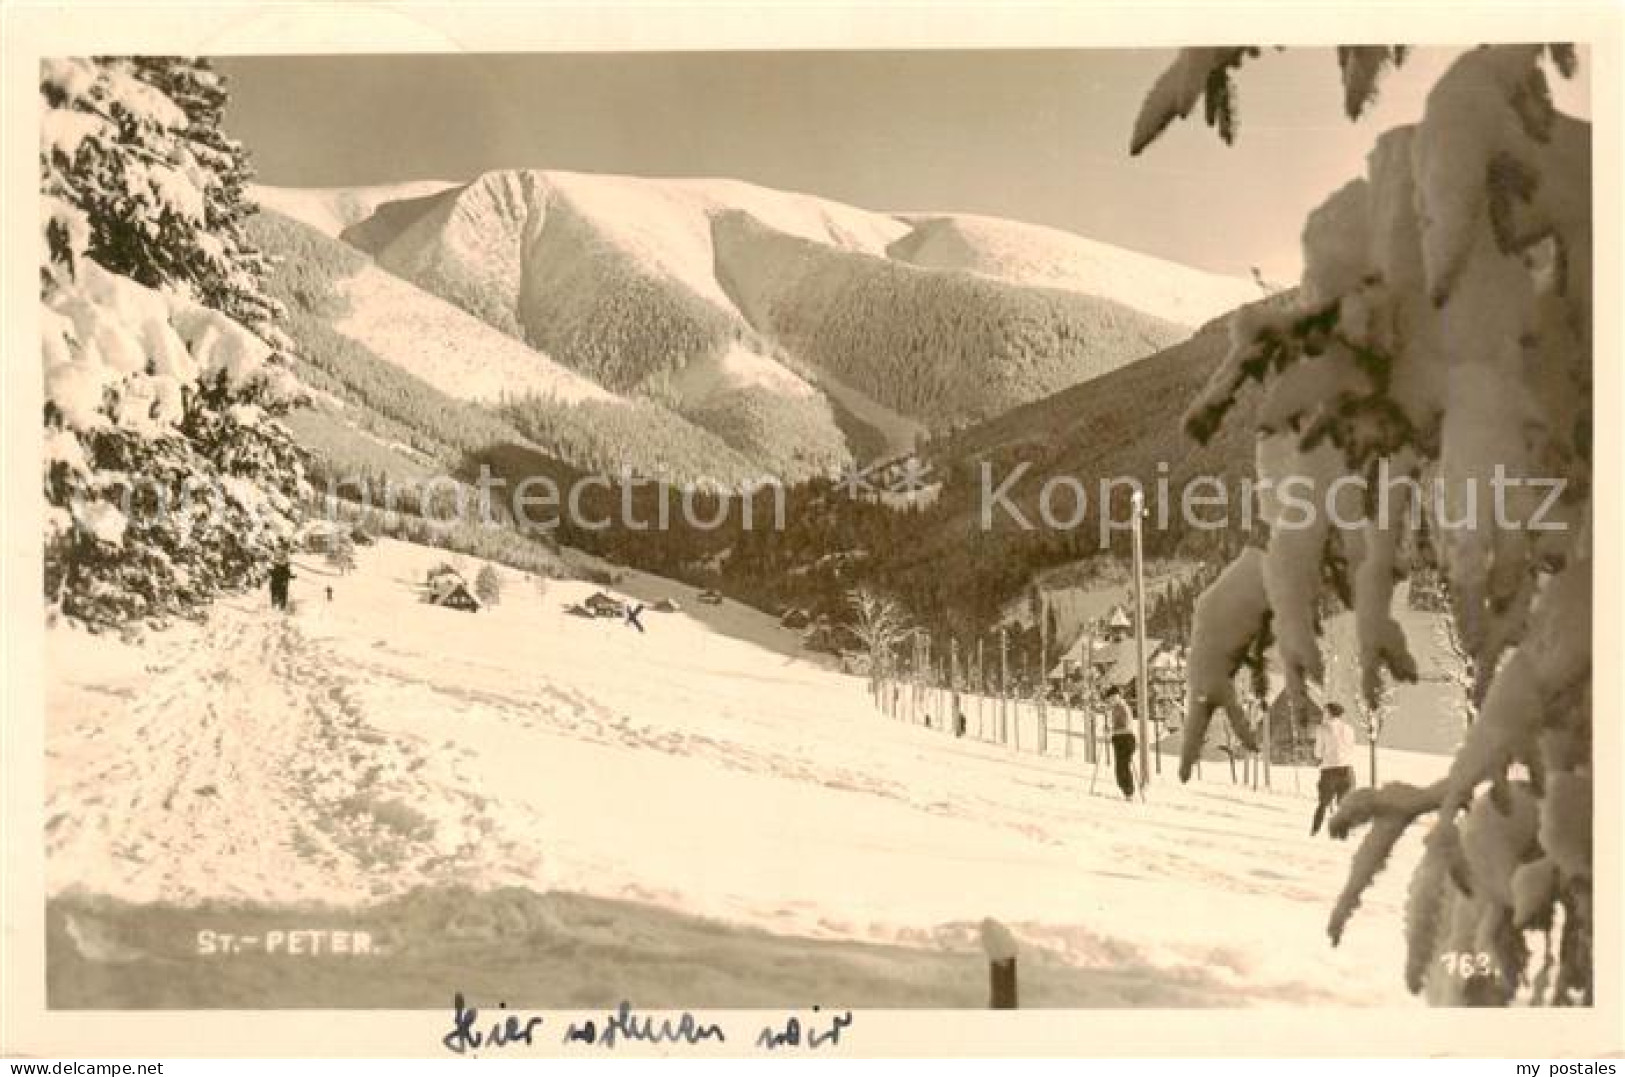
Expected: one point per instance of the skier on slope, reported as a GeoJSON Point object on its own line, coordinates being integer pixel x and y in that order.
{"type": "Point", "coordinates": [1334, 749]}
{"type": "Point", "coordinates": [1121, 721]}
{"type": "Point", "coordinates": [281, 574]}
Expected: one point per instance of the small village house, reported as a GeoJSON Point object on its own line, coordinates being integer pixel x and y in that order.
{"type": "Point", "coordinates": [600, 604]}
{"type": "Point", "coordinates": [446, 587]}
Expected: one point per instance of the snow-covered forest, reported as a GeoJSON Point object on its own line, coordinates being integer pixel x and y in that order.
{"type": "Point", "coordinates": [162, 369]}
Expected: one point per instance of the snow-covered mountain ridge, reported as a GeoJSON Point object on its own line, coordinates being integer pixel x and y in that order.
{"type": "Point", "coordinates": [733, 305]}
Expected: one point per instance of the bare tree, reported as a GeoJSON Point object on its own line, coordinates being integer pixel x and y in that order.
{"type": "Point", "coordinates": [879, 626]}
{"type": "Point", "coordinates": [1458, 669]}
{"type": "Point", "coordinates": [1373, 718]}
{"type": "Point", "coordinates": [488, 585]}
{"type": "Point", "coordinates": [340, 551]}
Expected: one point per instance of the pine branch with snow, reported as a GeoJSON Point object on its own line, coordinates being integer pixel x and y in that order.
{"type": "Point", "coordinates": [1237, 602]}
{"type": "Point", "coordinates": [1427, 904]}
{"type": "Point", "coordinates": [1196, 75]}
{"type": "Point", "coordinates": [1441, 330]}
{"type": "Point", "coordinates": [1363, 67]}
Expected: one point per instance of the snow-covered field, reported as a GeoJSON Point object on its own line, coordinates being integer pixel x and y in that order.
{"type": "Point", "coordinates": [694, 818]}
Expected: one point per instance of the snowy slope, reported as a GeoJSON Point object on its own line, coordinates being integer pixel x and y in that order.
{"type": "Point", "coordinates": [1050, 258]}
{"type": "Point", "coordinates": [422, 369]}
{"type": "Point", "coordinates": [665, 224]}
{"type": "Point", "coordinates": [940, 345]}
{"type": "Point", "coordinates": [451, 350]}
{"type": "Point", "coordinates": [360, 750]}
{"type": "Point", "coordinates": [896, 433]}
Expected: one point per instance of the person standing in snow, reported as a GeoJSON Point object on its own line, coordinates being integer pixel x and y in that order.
{"type": "Point", "coordinates": [281, 574]}
{"type": "Point", "coordinates": [1120, 720]}
{"type": "Point", "coordinates": [1334, 750]}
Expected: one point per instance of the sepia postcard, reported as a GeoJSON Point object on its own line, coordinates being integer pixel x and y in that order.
{"type": "Point", "coordinates": [812, 531]}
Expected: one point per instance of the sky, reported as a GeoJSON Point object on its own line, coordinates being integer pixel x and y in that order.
{"type": "Point", "coordinates": [1038, 136]}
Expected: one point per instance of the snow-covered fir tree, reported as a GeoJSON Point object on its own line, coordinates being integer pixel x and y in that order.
{"type": "Point", "coordinates": [1442, 331]}
{"type": "Point", "coordinates": [166, 475]}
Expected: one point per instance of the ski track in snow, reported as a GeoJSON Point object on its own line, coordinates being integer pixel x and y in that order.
{"type": "Point", "coordinates": [360, 750]}
{"type": "Point", "coordinates": [251, 757]}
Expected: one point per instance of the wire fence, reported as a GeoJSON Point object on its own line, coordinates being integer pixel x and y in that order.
{"type": "Point", "coordinates": [1069, 731]}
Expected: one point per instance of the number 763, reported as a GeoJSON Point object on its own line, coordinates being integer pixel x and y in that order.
{"type": "Point", "coordinates": [1467, 964]}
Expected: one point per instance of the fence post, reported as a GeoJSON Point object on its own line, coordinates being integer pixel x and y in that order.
{"type": "Point", "coordinates": [981, 692]}
{"type": "Point", "coordinates": [1068, 706]}
{"type": "Point", "coordinates": [930, 677]}
{"type": "Point", "coordinates": [1000, 947]}
{"type": "Point", "coordinates": [1004, 688]}
{"type": "Point", "coordinates": [1042, 681]}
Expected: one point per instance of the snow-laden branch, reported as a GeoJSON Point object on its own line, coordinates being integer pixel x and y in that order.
{"type": "Point", "coordinates": [1236, 612]}
{"type": "Point", "coordinates": [1441, 330]}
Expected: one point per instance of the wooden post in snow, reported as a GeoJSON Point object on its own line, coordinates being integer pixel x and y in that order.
{"type": "Point", "coordinates": [938, 684]}
{"type": "Point", "coordinates": [1269, 745]}
{"type": "Point", "coordinates": [1043, 672]}
{"type": "Point", "coordinates": [1000, 947]}
{"type": "Point", "coordinates": [1067, 703]}
{"type": "Point", "coordinates": [980, 687]}
{"type": "Point", "coordinates": [913, 675]}
{"type": "Point", "coordinates": [925, 651]}
{"type": "Point", "coordinates": [919, 678]}
{"type": "Point", "coordinates": [1004, 688]}
{"type": "Point", "coordinates": [1015, 707]}
{"type": "Point", "coordinates": [1091, 749]}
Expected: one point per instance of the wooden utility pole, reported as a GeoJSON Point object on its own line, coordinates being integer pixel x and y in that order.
{"type": "Point", "coordinates": [1144, 693]}
{"type": "Point", "coordinates": [953, 683]}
